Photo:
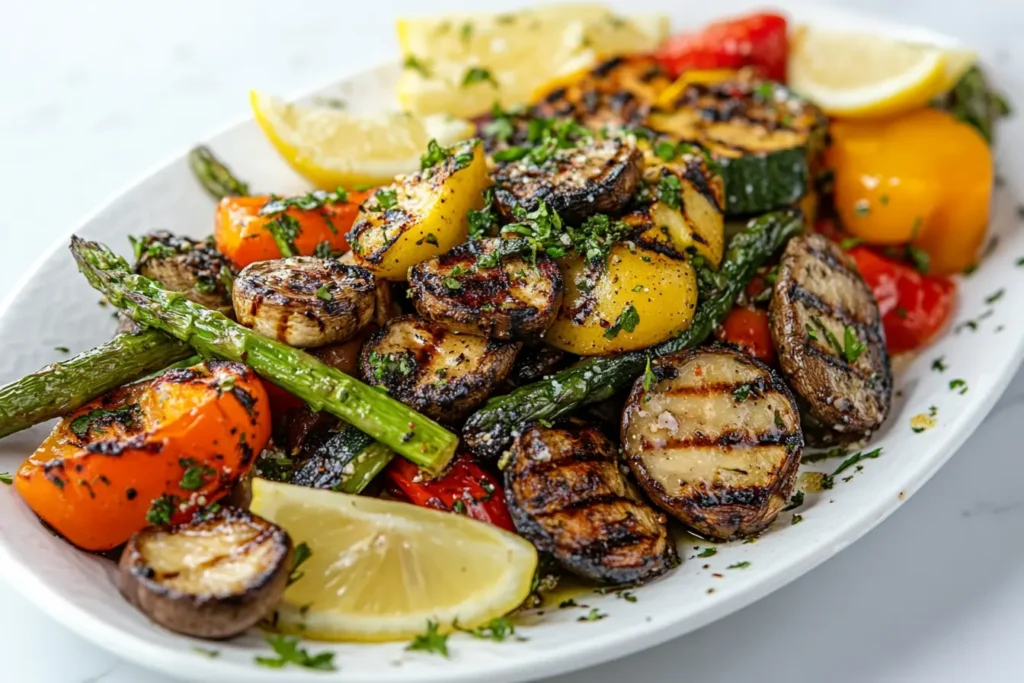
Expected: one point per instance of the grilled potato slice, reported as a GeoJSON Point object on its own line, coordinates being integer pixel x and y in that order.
{"type": "Point", "coordinates": [680, 207]}
{"type": "Point", "coordinates": [828, 333]}
{"type": "Point", "coordinates": [639, 298]}
{"type": "Point", "coordinates": [420, 215]}
{"type": "Point", "coordinates": [305, 301]}
{"type": "Point", "coordinates": [483, 288]}
{"type": "Point", "coordinates": [212, 578]}
{"type": "Point", "coordinates": [567, 496]}
{"type": "Point", "coordinates": [194, 268]}
{"type": "Point", "coordinates": [439, 373]}
{"type": "Point", "coordinates": [594, 176]}
{"type": "Point", "coordinates": [715, 440]}
{"type": "Point", "coordinates": [618, 92]}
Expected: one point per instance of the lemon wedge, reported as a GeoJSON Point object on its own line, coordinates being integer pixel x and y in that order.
{"type": "Point", "coordinates": [380, 570]}
{"type": "Point", "coordinates": [860, 75]}
{"type": "Point", "coordinates": [330, 147]}
{"type": "Point", "coordinates": [462, 64]}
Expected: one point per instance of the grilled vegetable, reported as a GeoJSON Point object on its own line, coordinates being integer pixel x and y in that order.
{"type": "Point", "coordinates": [196, 269]}
{"type": "Point", "coordinates": [421, 215]}
{"type": "Point", "coordinates": [346, 462]}
{"type": "Point", "coordinates": [537, 360]}
{"type": "Point", "coordinates": [828, 332]}
{"type": "Point", "coordinates": [568, 497]}
{"type": "Point", "coordinates": [589, 177]}
{"type": "Point", "coordinates": [441, 374]}
{"type": "Point", "coordinates": [484, 288]}
{"type": "Point", "coordinates": [465, 488]}
{"type": "Point", "coordinates": [748, 329]}
{"type": "Point", "coordinates": [216, 178]}
{"type": "Point", "coordinates": [145, 451]}
{"type": "Point", "coordinates": [637, 299]}
{"type": "Point", "coordinates": [974, 101]}
{"type": "Point", "coordinates": [679, 208]}
{"type": "Point", "coordinates": [209, 578]}
{"type": "Point", "coordinates": [63, 387]}
{"type": "Point", "coordinates": [320, 385]}
{"type": "Point", "coordinates": [714, 438]}
{"type": "Point", "coordinates": [758, 41]}
{"type": "Point", "coordinates": [766, 141]}
{"type": "Point", "coordinates": [251, 229]}
{"type": "Point", "coordinates": [489, 431]}
{"type": "Point", "coordinates": [618, 92]}
{"type": "Point", "coordinates": [305, 301]}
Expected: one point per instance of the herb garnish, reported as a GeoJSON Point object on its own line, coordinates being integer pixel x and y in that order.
{"type": "Point", "coordinates": [212, 654]}
{"type": "Point", "coordinates": [960, 384]}
{"type": "Point", "coordinates": [6, 478]}
{"type": "Point", "coordinates": [796, 519]}
{"type": "Point", "coordinates": [161, 510]}
{"type": "Point", "coordinates": [795, 501]}
{"type": "Point", "coordinates": [316, 199]}
{"type": "Point", "coordinates": [851, 348]}
{"type": "Point", "coordinates": [98, 418]}
{"type": "Point", "coordinates": [431, 641]}
{"type": "Point", "coordinates": [739, 565]}
{"type": "Point", "coordinates": [302, 553]}
{"type": "Point", "coordinates": [995, 296]}
{"type": "Point", "coordinates": [836, 452]}
{"type": "Point", "coordinates": [323, 250]}
{"type": "Point", "coordinates": [288, 652]}
{"type": "Point", "coordinates": [939, 364]}
{"type": "Point", "coordinates": [477, 74]}
{"type": "Point", "coordinates": [707, 552]}
{"type": "Point", "coordinates": [500, 127]}
{"type": "Point", "coordinates": [414, 64]}
{"type": "Point", "coordinates": [593, 615]}
{"type": "Point", "coordinates": [285, 230]}
{"type": "Point", "coordinates": [855, 458]}
{"type": "Point", "coordinates": [850, 242]}
{"type": "Point", "coordinates": [61, 349]}
{"type": "Point", "coordinates": [670, 191]}
{"type": "Point", "coordinates": [497, 629]}
{"type": "Point", "coordinates": [195, 475]}
{"type": "Point", "coordinates": [649, 377]}
{"type": "Point", "coordinates": [387, 198]}
{"type": "Point", "coordinates": [627, 320]}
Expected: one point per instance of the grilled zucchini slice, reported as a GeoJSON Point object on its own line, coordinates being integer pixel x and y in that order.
{"type": "Point", "coordinates": [593, 176]}
{"type": "Point", "coordinates": [420, 215]}
{"type": "Point", "coordinates": [636, 299]}
{"type": "Point", "coordinates": [483, 288]}
{"type": "Point", "coordinates": [765, 140]}
{"type": "Point", "coordinates": [438, 373]}
{"type": "Point", "coordinates": [567, 496]}
{"type": "Point", "coordinates": [616, 93]}
{"type": "Point", "coordinates": [714, 438]}
{"type": "Point", "coordinates": [678, 210]}
{"type": "Point", "coordinates": [827, 329]}
{"type": "Point", "coordinates": [305, 301]}
{"type": "Point", "coordinates": [210, 578]}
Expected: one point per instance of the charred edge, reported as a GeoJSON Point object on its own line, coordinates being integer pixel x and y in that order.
{"type": "Point", "coordinates": [812, 300]}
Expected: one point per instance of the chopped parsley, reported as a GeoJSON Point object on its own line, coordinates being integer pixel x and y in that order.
{"type": "Point", "coordinates": [795, 501]}
{"type": "Point", "coordinates": [856, 458]}
{"type": "Point", "coordinates": [431, 641]}
{"type": "Point", "coordinates": [316, 199]}
{"type": "Point", "coordinates": [212, 654]}
{"type": "Point", "coordinates": [161, 510]}
{"type": "Point", "coordinates": [707, 552]}
{"type": "Point", "coordinates": [849, 350]}
{"type": "Point", "coordinates": [6, 478]}
{"type": "Point", "coordinates": [431, 238]}
{"type": "Point", "coordinates": [739, 565]}
{"type": "Point", "coordinates": [649, 377]}
{"type": "Point", "coordinates": [995, 296]}
{"type": "Point", "coordinates": [743, 391]}
{"type": "Point", "coordinates": [500, 127]}
{"type": "Point", "coordinates": [861, 207]}
{"type": "Point", "coordinates": [285, 230]}
{"type": "Point", "coordinates": [387, 198]}
{"type": "Point", "coordinates": [435, 154]}
{"type": "Point", "coordinates": [512, 153]}
{"type": "Point", "coordinates": [323, 250]}
{"type": "Point", "coordinates": [61, 349]}
{"type": "Point", "coordinates": [593, 615]}
{"type": "Point", "coordinates": [451, 282]}
{"type": "Point", "coordinates": [383, 365]}
{"type": "Point", "coordinates": [850, 242]}
{"type": "Point", "coordinates": [920, 258]}
{"type": "Point", "coordinates": [302, 553]}
{"type": "Point", "coordinates": [466, 31]}
{"type": "Point", "coordinates": [796, 519]}
{"type": "Point", "coordinates": [195, 475]}
{"type": "Point", "coordinates": [477, 74]}
{"type": "Point", "coordinates": [323, 293]}
{"type": "Point", "coordinates": [498, 629]}
{"type": "Point", "coordinates": [100, 418]}
{"type": "Point", "coordinates": [670, 191]}
{"type": "Point", "coordinates": [288, 652]}
{"type": "Point", "coordinates": [414, 64]}
{"type": "Point", "coordinates": [836, 452]}
{"type": "Point", "coordinates": [665, 150]}
{"type": "Point", "coordinates": [960, 384]}
{"type": "Point", "coordinates": [627, 320]}
{"type": "Point", "coordinates": [939, 364]}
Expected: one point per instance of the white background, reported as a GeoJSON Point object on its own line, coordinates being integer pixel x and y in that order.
{"type": "Point", "coordinates": [94, 94]}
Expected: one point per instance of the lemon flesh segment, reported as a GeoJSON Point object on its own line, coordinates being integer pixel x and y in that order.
{"type": "Point", "coordinates": [861, 75]}
{"type": "Point", "coordinates": [330, 147]}
{"type": "Point", "coordinates": [379, 570]}
{"type": "Point", "coordinates": [518, 50]}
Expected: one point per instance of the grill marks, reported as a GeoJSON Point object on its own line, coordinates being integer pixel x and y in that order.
{"type": "Point", "coordinates": [819, 289]}
{"type": "Point", "coordinates": [715, 441]}
{"type": "Point", "coordinates": [596, 176]}
{"type": "Point", "coordinates": [443, 375]}
{"type": "Point", "coordinates": [511, 300]}
{"type": "Point", "coordinates": [567, 496]}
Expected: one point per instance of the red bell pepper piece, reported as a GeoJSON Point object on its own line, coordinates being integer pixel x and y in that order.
{"type": "Point", "coordinates": [756, 40]}
{"type": "Point", "coordinates": [748, 329]}
{"type": "Point", "coordinates": [465, 488]}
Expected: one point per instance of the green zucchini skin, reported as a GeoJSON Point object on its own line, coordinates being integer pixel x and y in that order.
{"type": "Point", "coordinates": [490, 430]}
{"type": "Point", "coordinates": [346, 462]}
{"type": "Point", "coordinates": [765, 141]}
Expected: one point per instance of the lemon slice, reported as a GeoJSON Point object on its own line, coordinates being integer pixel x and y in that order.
{"type": "Point", "coordinates": [447, 57]}
{"type": "Point", "coordinates": [379, 570]}
{"type": "Point", "coordinates": [861, 75]}
{"type": "Point", "coordinates": [330, 147]}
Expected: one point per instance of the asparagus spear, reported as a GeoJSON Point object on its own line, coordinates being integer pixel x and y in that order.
{"type": "Point", "coordinates": [410, 434]}
{"type": "Point", "coordinates": [62, 387]}
{"type": "Point", "coordinates": [214, 176]}
{"type": "Point", "coordinates": [491, 429]}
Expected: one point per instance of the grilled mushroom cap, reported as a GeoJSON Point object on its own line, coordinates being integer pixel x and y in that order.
{"type": "Point", "coordinates": [567, 496]}
{"type": "Point", "coordinates": [439, 373]}
{"type": "Point", "coordinates": [821, 312]}
{"type": "Point", "coordinates": [304, 301]}
{"type": "Point", "coordinates": [209, 579]}
{"type": "Point", "coordinates": [715, 440]}
{"type": "Point", "coordinates": [194, 268]}
{"type": "Point", "coordinates": [477, 289]}
{"type": "Point", "coordinates": [595, 176]}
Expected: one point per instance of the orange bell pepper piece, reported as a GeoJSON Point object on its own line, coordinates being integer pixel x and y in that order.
{"type": "Point", "coordinates": [145, 453]}
{"type": "Point", "coordinates": [242, 234]}
{"type": "Point", "coordinates": [923, 178]}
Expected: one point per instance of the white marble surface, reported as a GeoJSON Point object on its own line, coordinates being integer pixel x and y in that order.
{"type": "Point", "coordinates": [95, 93]}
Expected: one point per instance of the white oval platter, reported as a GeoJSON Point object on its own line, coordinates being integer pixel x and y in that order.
{"type": "Point", "coordinates": [53, 305]}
